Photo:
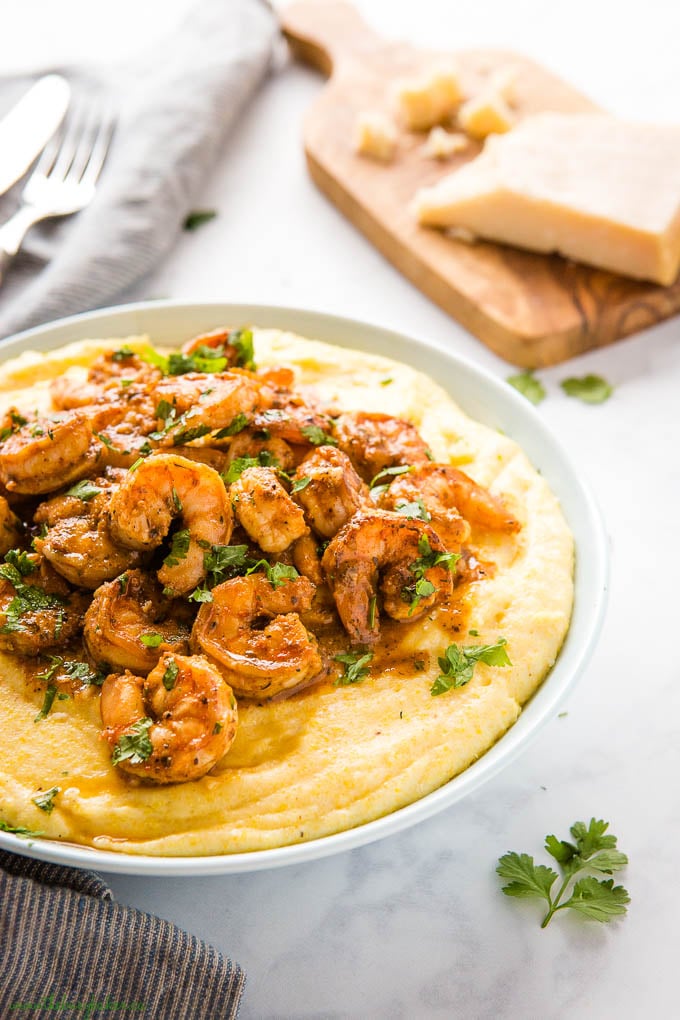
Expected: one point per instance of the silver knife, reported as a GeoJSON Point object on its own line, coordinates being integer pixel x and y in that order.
{"type": "Point", "coordinates": [29, 125]}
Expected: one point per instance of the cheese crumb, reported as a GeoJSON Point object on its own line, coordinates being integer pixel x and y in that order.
{"type": "Point", "coordinates": [375, 136]}
{"type": "Point", "coordinates": [424, 102]}
{"type": "Point", "coordinates": [486, 114]}
{"type": "Point", "coordinates": [441, 144]}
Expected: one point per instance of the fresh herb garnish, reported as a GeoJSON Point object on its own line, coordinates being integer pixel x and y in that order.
{"type": "Point", "coordinates": [135, 745]}
{"type": "Point", "coordinates": [528, 385]}
{"type": "Point", "coordinates": [164, 409]}
{"type": "Point", "coordinates": [151, 640]}
{"type": "Point", "coordinates": [458, 664]}
{"type": "Point", "coordinates": [179, 548]}
{"type": "Point", "coordinates": [356, 667]}
{"type": "Point", "coordinates": [221, 563]}
{"type": "Point", "coordinates": [591, 389]}
{"type": "Point", "coordinates": [300, 483]}
{"type": "Point", "coordinates": [415, 510]}
{"type": "Point", "coordinates": [421, 587]}
{"type": "Point", "coordinates": [242, 341]}
{"type": "Point", "coordinates": [21, 561]}
{"type": "Point", "coordinates": [48, 701]}
{"type": "Point", "coordinates": [317, 437]}
{"type": "Point", "coordinates": [74, 669]}
{"type": "Point", "coordinates": [45, 801]}
{"type": "Point", "coordinates": [241, 464]}
{"type": "Point", "coordinates": [277, 573]}
{"type": "Point", "coordinates": [123, 353]}
{"type": "Point", "coordinates": [84, 490]}
{"type": "Point", "coordinates": [236, 425]}
{"type": "Point", "coordinates": [592, 850]}
{"type": "Point", "coordinates": [197, 218]}
{"type": "Point", "coordinates": [19, 830]}
{"type": "Point", "coordinates": [104, 439]}
{"type": "Point", "coordinates": [372, 605]}
{"type": "Point", "coordinates": [28, 598]}
{"type": "Point", "coordinates": [187, 435]}
{"type": "Point", "coordinates": [170, 675]}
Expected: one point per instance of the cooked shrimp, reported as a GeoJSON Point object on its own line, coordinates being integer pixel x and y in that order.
{"type": "Point", "coordinates": [223, 342]}
{"type": "Point", "coordinates": [297, 424]}
{"type": "Point", "coordinates": [183, 715]}
{"type": "Point", "coordinates": [307, 560]}
{"type": "Point", "coordinates": [48, 453]}
{"type": "Point", "coordinates": [330, 490]}
{"type": "Point", "coordinates": [259, 661]}
{"type": "Point", "coordinates": [377, 441]}
{"type": "Point", "coordinates": [383, 553]}
{"type": "Point", "coordinates": [128, 623]}
{"type": "Point", "coordinates": [10, 527]}
{"type": "Point", "coordinates": [265, 510]}
{"type": "Point", "coordinates": [38, 610]}
{"type": "Point", "coordinates": [165, 487]}
{"type": "Point", "coordinates": [250, 443]}
{"type": "Point", "coordinates": [211, 401]}
{"type": "Point", "coordinates": [448, 493]}
{"type": "Point", "coordinates": [117, 365]}
{"type": "Point", "coordinates": [77, 539]}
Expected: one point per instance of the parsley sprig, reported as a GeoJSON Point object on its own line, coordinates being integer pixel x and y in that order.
{"type": "Point", "coordinates": [458, 664]}
{"type": "Point", "coordinates": [421, 588]}
{"type": "Point", "coordinates": [592, 850]}
{"type": "Point", "coordinates": [356, 667]}
{"type": "Point", "coordinates": [134, 746]}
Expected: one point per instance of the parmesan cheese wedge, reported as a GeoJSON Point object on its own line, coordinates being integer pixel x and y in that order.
{"type": "Point", "coordinates": [591, 187]}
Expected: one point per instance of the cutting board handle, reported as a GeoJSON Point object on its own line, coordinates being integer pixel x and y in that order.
{"type": "Point", "coordinates": [326, 32]}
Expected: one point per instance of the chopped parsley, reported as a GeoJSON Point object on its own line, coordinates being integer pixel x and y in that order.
{"type": "Point", "coordinates": [187, 435]}
{"type": "Point", "coordinates": [415, 510]}
{"type": "Point", "coordinates": [164, 409]}
{"type": "Point", "coordinates": [300, 483]}
{"type": "Point", "coordinates": [122, 354]}
{"type": "Point", "coordinates": [356, 667]}
{"type": "Point", "coordinates": [151, 640]}
{"type": "Point", "coordinates": [48, 701]}
{"type": "Point", "coordinates": [372, 605]}
{"type": "Point", "coordinates": [242, 341]}
{"type": "Point", "coordinates": [235, 426]}
{"type": "Point", "coordinates": [74, 669]}
{"type": "Point", "coordinates": [317, 437]}
{"type": "Point", "coordinates": [528, 385]}
{"type": "Point", "coordinates": [179, 548]}
{"type": "Point", "coordinates": [170, 675]}
{"type": "Point", "coordinates": [458, 664]}
{"type": "Point", "coordinates": [45, 801]}
{"type": "Point", "coordinates": [135, 745]}
{"type": "Point", "coordinates": [421, 588]}
{"type": "Point", "coordinates": [19, 830]}
{"type": "Point", "coordinates": [241, 464]}
{"type": "Point", "coordinates": [217, 728]}
{"type": "Point", "coordinates": [591, 389]}
{"type": "Point", "coordinates": [84, 490]}
{"type": "Point", "coordinates": [221, 563]}
{"type": "Point", "coordinates": [197, 218]}
{"type": "Point", "coordinates": [28, 598]}
{"type": "Point", "coordinates": [390, 473]}
{"type": "Point", "coordinates": [104, 439]}
{"type": "Point", "coordinates": [277, 573]}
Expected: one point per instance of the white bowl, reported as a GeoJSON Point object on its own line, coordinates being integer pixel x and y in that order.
{"type": "Point", "coordinates": [484, 398]}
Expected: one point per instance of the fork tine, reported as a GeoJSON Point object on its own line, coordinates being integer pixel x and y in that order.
{"type": "Point", "coordinates": [100, 149]}
{"type": "Point", "coordinates": [50, 152]}
{"type": "Point", "coordinates": [85, 146]}
{"type": "Point", "coordinates": [71, 140]}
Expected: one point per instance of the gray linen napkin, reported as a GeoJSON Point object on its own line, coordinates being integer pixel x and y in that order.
{"type": "Point", "coordinates": [66, 948]}
{"type": "Point", "coordinates": [175, 105]}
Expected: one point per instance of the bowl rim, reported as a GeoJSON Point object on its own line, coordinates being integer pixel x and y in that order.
{"type": "Point", "coordinates": [590, 603]}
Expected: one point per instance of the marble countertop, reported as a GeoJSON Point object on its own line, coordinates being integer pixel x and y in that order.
{"type": "Point", "coordinates": [415, 926]}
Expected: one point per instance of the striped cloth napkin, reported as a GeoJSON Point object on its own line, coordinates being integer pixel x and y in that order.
{"type": "Point", "coordinates": [175, 105]}
{"type": "Point", "coordinates": [66, 949]}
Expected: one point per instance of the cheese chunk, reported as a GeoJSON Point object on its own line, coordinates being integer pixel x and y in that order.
{"type": "Point", "coordinates": [375, 136]}
{"type": "Point", "coordinates": [426, 101]}
{"type": "Point", "coordinates": [486, 114]}
{"type": "Point", "coordinates": [588, 186]}
{"type": "Point", "coordinates": [441, 144]}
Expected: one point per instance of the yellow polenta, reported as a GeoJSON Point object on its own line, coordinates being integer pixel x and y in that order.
{"type": "Point", "coordinates": [335, 756]}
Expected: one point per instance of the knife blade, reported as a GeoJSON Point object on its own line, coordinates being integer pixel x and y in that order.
{"type": "Point", "coordinates": [29, 125]}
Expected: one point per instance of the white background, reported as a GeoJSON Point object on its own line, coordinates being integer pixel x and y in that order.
{"type": "Point", "coordinates": [416, 926]}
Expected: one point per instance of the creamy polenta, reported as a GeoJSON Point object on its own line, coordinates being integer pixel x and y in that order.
{"type": "Point", "coordinates": [330, 756]}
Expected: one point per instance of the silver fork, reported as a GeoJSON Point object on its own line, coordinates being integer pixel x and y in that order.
{"type": "Point", "coordinates": [64, 179]}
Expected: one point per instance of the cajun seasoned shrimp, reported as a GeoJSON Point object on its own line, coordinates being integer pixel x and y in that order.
{"type": "Point", "coordinates": [38, 610]}
{"type": "Point", "coordinates": [48, 453]}
{"type": "Point", "coordinates": [122, 364]}
{"type": "Point", "coordinates": [250, 443]}
{"type": "Point", "coordinates": [330, 491]}
{"type": "Point", "coordinates": [295, 423]}
{"type": "Point", "coordinates": [183, 715]}
{"type": "Point", "coordinates": [448, 493]}
{"type": "Point", "coordinates": [228, 343]}
{"type": "Point", "coordinates": [377, 441]}
{"type": "Point", "coordinates": [129, 624]}
{"type": "Point", "coordinates": [10, 527]}
{"type": "Point", "coordinates": [307, 560]}
{"type": "Point", "coordinates": [211, 401]}
{"type": "Point", "coordinates": [380, 553]}
{"type": "Point", "coordinates": [265, 510]}
{"type": "Point", "coordinates": [165, 487]}
{"type": "Point", "coordinates": [77, 538]}
{"type": "Point", "coordinates": [259, 661]}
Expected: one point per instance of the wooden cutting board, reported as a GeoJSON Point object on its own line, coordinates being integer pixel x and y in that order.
{"type": "Point", "coordinates": [532, 310]}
